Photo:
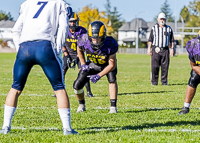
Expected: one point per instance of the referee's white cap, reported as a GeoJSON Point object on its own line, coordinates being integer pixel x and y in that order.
{"type": "Point", "coordinates": [161, 15]}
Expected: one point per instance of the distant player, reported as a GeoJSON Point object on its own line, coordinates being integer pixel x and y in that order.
{"type": "Point", "coordinates": [193, 49]}
{"type": "Point", "coordinates": [70, 57]}
{"type": "Point", "coordinates": [33, 35]}
{"type": "Point", "coordinates": [101, 52]}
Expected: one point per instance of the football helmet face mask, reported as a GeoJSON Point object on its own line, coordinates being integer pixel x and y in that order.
{"type": "Point", "coordinates": [97, 30]}
{"type": "Point", "coordinates": [73, 21]}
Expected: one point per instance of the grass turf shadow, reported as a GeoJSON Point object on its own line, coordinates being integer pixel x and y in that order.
{"type": "Point", "coordinates": [177, 84]}
{"type": "Point", "coordinates": [152, 109]}
{"type": "Point", "coordinates": [144, 92]}
{"type": "Point", "coordinates": [139, 127]}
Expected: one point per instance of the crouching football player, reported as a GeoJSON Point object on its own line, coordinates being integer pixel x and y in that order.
{"type": "Point", "coordinates": [192, 47]}
{"type": "Point", "coordinates": [101, 54]}
{"type": "Point", "coordinates": [70, 48]}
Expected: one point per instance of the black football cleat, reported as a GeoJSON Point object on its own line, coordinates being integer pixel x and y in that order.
{"type": "Point", "coordinates": [89, 94]}
{"type": "Point", "coordinates": [66, 132]}
{"type": "Point", "coordinates": [184, 110]}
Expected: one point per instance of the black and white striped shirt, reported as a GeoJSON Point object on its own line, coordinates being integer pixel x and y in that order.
{"type": "Point", "coordinates": [161, 37]}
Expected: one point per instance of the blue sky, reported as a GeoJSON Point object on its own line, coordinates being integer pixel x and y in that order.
{"type": "Point", "coordinates": [146, 9]}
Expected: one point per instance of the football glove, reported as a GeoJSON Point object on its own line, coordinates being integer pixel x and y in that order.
{"type": "Point", "coordinates": [85, 68]}
{"type": "Point", "coordinates": [75, 61]}
{"type": "Point", "coordinates": [94, 78]}
{"type": "Point", "coordinates": [68, 60]}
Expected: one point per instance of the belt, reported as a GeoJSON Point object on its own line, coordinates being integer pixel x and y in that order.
{"type": "Point", "coordinates": [163, 48]}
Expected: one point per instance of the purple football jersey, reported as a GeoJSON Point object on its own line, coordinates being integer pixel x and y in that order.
{"type": "Point", "coordinates": [71, 41]}
{"type": "Point", "coordinates": [100, 56]}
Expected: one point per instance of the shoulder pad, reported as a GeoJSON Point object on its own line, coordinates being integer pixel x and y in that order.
{"type": "Point", "coordinates": [193, 46]}
{"type": "Point", "coordinates": [111, 44]}
{"type": "Point", "coordinates": [81, 30]}
{"type": "Point", "coordinates": [82, 39]}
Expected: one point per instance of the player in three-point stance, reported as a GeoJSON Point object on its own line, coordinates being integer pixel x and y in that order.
{"type": "Point", "coordinates": [70, 57]}
{"type": "Point", "coordinates": [101, 52]}
{"type": "Point", "coordinates": [193, 49]}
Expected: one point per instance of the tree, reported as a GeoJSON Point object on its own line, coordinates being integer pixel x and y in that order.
{"type": "Point", "coordinates": [194, 7]}
{"type": "Point", "coordinates": [167, 11]}
{"type": "Point", "coordinates": [4, 16]}
{"type": "Point", "coordinates": [89, 14]}
{"type": "Point", "coordinates": [194, 19]}
{"type": "Point", "coordinates": [185, 14]}
{"type": "Point", "coordinates": [113, 16]}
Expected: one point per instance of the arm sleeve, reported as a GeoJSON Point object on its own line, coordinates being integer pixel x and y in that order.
{"type": "Point", "coordinates": [171, 37]}
{"type": "Point", "coordinates": [151, 36]}
{"type": "Point", "coordinates": [192, 59]}
{"type": "Point", "coordinates": [114, 47]}
{"type": "Point", "coordinates": [17, 29]}
{"type": "Point", "coordinates": [62, 29]}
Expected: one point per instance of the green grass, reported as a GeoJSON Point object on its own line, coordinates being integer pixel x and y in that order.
{"type": "Point", "coordinates": [145, 113]}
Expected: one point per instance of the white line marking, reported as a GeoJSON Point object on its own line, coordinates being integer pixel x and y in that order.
{"type": "Point", "coordinates": [73, 95]}
{"type": "Point", "coordinates": [35, 107]}
{"type": "Point", "coordinates": [108, 129]}
{"type": "Point", "coordinates": [150, 108]}
{"type": "Point", "coordinates": [36, 128]}
{"type": "Point", "coordinates": [105, 108]}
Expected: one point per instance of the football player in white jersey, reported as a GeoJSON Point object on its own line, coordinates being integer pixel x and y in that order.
{"type": "Point", "coordinates": [34, 35]}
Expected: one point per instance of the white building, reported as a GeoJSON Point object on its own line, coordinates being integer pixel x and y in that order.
{"type": "Point", "coordinates": [127, 32]}
{"type": "Point", "coordinates": [5, 32]}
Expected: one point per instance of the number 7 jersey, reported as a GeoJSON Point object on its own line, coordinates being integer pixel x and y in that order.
{"type": "Point", "coordinates": [42, 20]}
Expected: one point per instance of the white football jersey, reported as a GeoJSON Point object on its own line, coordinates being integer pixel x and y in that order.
{"type": "Point", "coordinates": [42, 20]}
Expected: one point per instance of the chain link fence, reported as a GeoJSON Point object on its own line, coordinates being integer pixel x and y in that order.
{"type": "Point", "coordinates": [178, 50]}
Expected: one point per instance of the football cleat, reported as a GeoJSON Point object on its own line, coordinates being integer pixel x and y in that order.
{"type": "Point", "coordinates": [54, 95]}
{"type": "Point", "coordinates": [89, 94]}
{"type": "Point", "coordinates": [184, 110]}
{"type": "Point", "coordinates": [81, 108]}
{"type": "Point", "coordinates": [5, 130]}
{"type": "Point", "coordinates": [113, 110]}
{"type": "Point", "coordinates": [66, 132]}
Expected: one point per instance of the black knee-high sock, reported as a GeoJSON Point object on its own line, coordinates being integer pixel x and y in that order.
{"type": "Point", "coordinates": [87, 86]}
{"type": "Point", "coordinates": [113, 102]}
{"type": "Point", "coordinates": [82, 101]}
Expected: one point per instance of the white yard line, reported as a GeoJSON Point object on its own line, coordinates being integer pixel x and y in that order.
{"type": "Point", "coordinates": [52, 107]}
{"type": "Point", "coordinates": [151, 108]}
{"type": "Point", "coordinates": [73, 95]}
{"type": "Point", "coordinates": [104, 108]}
{"type": "Point", "coordinates": [36, 128]}
{"type": "Point", "coordinates": [108, 129]}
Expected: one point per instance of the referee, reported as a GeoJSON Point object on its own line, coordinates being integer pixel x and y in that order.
{"type": "Point", "coordinates": [161, 37]}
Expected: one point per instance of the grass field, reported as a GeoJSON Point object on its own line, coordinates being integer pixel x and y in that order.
{"type": "Point", "coordinates": [145, 113]}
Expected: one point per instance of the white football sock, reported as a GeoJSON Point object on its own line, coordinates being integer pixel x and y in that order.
{"type": "Point", "coordinates": [65, 118]}
{"type": "Point", "coordinates": [8, 115]}
{"type": "Point", "coordinates": [187, 105]}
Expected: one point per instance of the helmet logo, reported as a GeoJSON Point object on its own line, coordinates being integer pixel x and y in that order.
{"type": "Point", "coordinates": [75, 16]}
{"type": "Point", "coordinates": [101, 31]}
{"type": "Point", "coordinates": [90, 30]}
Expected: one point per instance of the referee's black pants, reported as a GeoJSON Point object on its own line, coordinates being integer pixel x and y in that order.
{"type": "Point", "coordinates": [159, 59]}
